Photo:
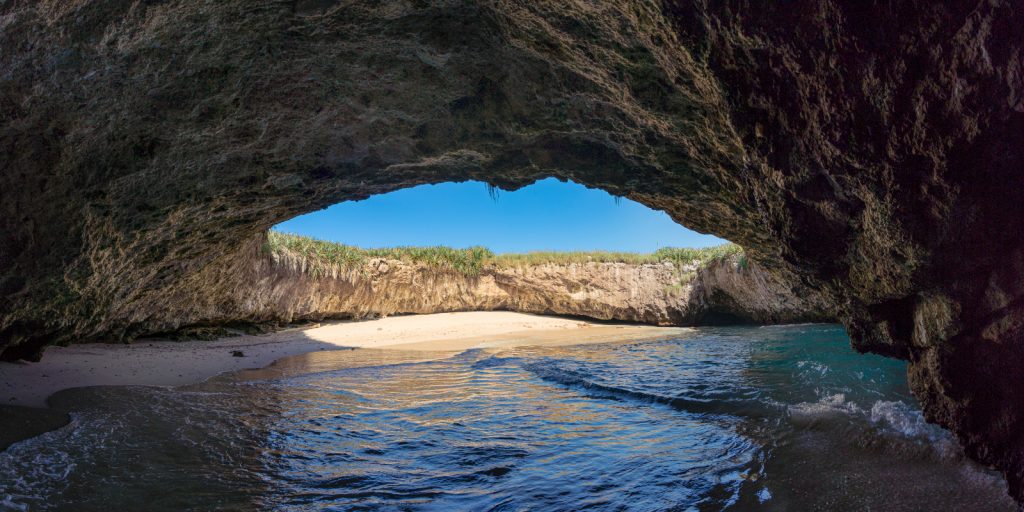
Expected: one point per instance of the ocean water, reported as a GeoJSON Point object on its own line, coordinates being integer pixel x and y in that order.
{"type": "Point", "coordinates": [744, 418]}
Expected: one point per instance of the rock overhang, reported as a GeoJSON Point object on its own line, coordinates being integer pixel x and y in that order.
{"type": "Point", "coordinates": [868, 153]}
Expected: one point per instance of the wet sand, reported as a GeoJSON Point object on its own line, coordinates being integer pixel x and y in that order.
{"type": "Point", "coordinates": [170, 363]}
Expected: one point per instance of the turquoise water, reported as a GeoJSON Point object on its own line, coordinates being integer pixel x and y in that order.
{"type": "Point", "coordinates": [746, 418]}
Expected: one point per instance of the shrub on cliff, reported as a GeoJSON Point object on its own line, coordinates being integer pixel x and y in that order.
{"type": "Point", "coordinates": [319, 257]}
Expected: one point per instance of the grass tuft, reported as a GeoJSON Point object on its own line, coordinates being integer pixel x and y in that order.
{"type": "Point", "coordinates": [320, 253]}
{"type": "Point", "coordinates": [319, 257]}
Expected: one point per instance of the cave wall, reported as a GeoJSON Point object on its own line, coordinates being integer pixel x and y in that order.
{"type": "Point", "coordinates": [869, 150]}
{"type": "Point", "coordinates": [269, 288]}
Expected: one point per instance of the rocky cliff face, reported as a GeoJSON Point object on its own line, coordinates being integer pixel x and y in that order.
{"type": "Point", "coordinates": [280, 287]}
{"type": "Point", "coordinates": [870, 151]}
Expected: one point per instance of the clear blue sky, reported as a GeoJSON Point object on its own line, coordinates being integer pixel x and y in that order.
{"type": "Point", "coordinates": [548, 215]}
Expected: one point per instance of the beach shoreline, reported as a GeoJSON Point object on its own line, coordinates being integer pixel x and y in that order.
{"type": "Point", "coordinates": [171, 363]}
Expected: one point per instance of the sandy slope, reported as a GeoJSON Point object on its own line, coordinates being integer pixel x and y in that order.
{"type": "Point", "coordinates": [168, 363]}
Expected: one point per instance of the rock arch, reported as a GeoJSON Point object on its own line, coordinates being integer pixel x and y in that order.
{"type": "Point", "coordinates": [871, 151]}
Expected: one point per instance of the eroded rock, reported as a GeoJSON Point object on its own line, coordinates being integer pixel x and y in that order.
{"type": "Point", "coordinates": [281, 287]}
{"type": "Point", "coordinates": [870, 151]}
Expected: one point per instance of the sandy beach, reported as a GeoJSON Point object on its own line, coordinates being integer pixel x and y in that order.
{"type": "Point", "coordinates": [170, 363]}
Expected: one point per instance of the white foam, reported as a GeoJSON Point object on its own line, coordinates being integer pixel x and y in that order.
{"type": "Point", "coordinates": [828, 406]}
{"type": "Point", "coordinates": [894, 419]}
{"type": "Point", "coordinates": [820, 368]}
{"type": "Point", "coordinates": [900, 417]}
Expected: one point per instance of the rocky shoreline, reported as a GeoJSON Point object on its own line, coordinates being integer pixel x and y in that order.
{"type": "Point", "coordinates": [279, 286]}
{"type": "Point", "coordinates": [869, 154]}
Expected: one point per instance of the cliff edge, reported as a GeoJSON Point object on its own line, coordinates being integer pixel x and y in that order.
{"type": "Point", "coordinates": [287, 279]}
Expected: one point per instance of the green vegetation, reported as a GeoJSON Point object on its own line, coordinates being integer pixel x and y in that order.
{"type": "Point", "coordinates": [319, 256]}
{"type": "Point", "coordinates": [742, 262]}
{"type": "Point", "coordinates": [320, 253]}
{"type": "Point", "coordinates": [679, 256]}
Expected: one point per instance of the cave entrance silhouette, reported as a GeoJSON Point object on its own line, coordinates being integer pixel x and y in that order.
{"type": "Point", "coordinates": [548, 215]}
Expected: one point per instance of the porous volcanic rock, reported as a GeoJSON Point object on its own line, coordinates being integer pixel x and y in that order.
{"type": "Point", "coordinates": [868, 150]}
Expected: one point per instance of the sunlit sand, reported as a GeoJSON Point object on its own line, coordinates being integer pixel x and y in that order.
{"type": "Point", "coordinates": [169, 363]}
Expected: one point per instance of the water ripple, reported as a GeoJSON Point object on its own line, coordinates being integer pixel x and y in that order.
{"type": "Point", "coordinates": [783, 418]}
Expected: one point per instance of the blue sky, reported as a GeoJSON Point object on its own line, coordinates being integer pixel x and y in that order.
{"type": "Point", "coordinates": [548, 215]}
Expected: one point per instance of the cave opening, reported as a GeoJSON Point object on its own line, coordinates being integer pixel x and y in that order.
{"type": "Point", "coordinates": [547, 215]}
{"type": "Point", "coordinates": [551, 247]}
